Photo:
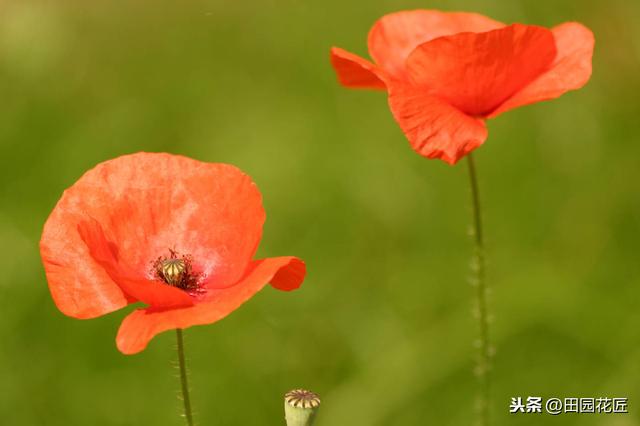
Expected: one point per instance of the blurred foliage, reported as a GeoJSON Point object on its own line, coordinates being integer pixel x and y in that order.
{"type": "Point", "coordinates": [382, 327]}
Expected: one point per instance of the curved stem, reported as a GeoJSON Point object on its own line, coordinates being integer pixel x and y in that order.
{"type": "Point", "coordinates": [481, 312]}
{"type": "Point", "coordinates": [183, 379]}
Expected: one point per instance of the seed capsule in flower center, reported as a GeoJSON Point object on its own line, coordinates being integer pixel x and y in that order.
{"type": "Point", "coordinates": [173, 270]}
{"type": "Point", "coordinates": [177, 270]}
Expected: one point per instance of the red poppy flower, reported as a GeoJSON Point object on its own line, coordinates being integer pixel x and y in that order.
{"type": "Point", "coordinates": [446, 73]}
{"type": "Point", "coordinates": [173, 233]}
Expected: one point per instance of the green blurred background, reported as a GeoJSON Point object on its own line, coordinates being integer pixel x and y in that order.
{"type": "Point", "coordinates": [382, 327]}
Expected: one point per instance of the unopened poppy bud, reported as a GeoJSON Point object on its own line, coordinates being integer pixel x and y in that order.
{"type": "Point", "coordinates": [300, 407]}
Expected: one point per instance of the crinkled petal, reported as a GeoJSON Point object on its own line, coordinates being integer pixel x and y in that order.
{"type": "Point", "coordinates": [394, 36]}
{"type": "Point", "coordinates": [354, 71]}
{"type": "Point", "coordinates": [149, 204]}
{"type": "Point", "coordinates": [570, 70]}
{"type": "Point", "coordinates": [434, 128]}
{"type": "Point", "coordinates": [142, 325]}
{"type": "Point", "coordinates": [476, 72]}
{"type": "Point", "coordinates": [153, 293]}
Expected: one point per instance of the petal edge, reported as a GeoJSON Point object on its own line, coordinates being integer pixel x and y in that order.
{"type": "Point", "coordinates": [354, 71]}
{"type": "Point", "coordinates": [434, 128]}
{"type": "Point", "coordinates": [139, 327]}
{"type": "Point", "coordinates": [394, 36]}
{"type": "Point", "coordinates": [570, 70]}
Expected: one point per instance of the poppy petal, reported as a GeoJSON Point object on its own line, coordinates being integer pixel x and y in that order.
{"type": "Point", "coordinates": [290, 277]}
{"type": "Point", "coordinates": [80, 286]}
{"type": "Point", "coordinates": [354, 71]}
{"type": "Point", "coordinates": [476, 72]}
{"type": "Point", "coordinates": [142, 325]}
{"type": "Point", "coordinates": [153, 293]}
{"type": "Point", "coordinates": [570, 70]}
{"type": "Point", "coordinates": [435, 129]}
{"type": "Point", "coordinates": [394, 36]}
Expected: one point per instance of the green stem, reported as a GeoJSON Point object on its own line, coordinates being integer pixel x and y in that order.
{"type": "Point", "coordinates": [183, 379]}
{"type": "Point", "coordinates": [478, 270]}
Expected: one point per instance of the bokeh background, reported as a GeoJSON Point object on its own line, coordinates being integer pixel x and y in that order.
{"type": "Point", "coordinates": [382, 327]}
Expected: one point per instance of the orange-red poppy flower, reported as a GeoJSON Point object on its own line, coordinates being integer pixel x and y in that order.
{"type": "Point", "coordinates": [173, 233]}
{"type": "Point", "coordinates": [446, 73]}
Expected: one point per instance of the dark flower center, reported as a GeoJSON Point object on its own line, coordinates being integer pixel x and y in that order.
{"type": "Point", "coordinates": [177, 271]}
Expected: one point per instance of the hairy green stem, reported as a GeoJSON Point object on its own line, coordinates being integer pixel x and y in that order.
{"type": "Point", "coordinates": [483, 365]}
{"type": "Point", "coordinates": [183, 379]}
